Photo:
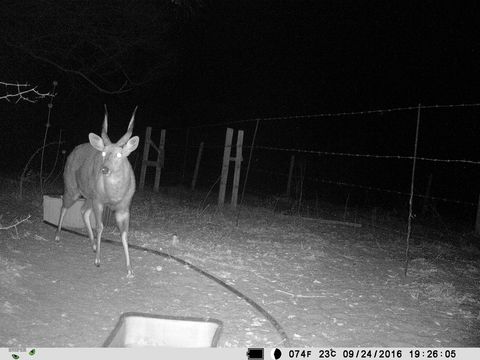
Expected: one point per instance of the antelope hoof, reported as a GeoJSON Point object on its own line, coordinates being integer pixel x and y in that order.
{"type": "Point", "coordinates": [97, 262]}
{"type": "Point", "coordinates": [130, 274]}
{"type": "Point", "coordinates": [57, 237]}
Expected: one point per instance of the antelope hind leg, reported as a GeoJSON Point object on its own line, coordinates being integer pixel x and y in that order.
{"type": "Point", "coordinates": [68, 200]}
{"type": "Point", "coordinates": [63, 211]}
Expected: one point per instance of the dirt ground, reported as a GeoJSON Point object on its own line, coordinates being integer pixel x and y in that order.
{"type": "Point", "coordinates": [327, 285]}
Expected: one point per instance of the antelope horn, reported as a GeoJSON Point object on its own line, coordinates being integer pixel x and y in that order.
{"type": "Point", "coordinates": [105, 138]}
{"type": "Point", "coordinates": [128, 134]}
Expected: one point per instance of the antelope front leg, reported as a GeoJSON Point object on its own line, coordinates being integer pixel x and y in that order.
{"type": "Point", "coordinates": [86, 220]}
{"type": "Point", "coordinates": [122, 218]}
{"type": "Point", "coordinates": [98, 210]}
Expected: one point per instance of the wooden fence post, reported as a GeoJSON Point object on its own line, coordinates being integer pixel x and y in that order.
{"type": "Point", "coordinates": [238, 164]}
{"type": "Point", "coordinates": [226, 162]}
{"type": "Point", "coordinates": [197, 165]}
{"type": "Point", "coordinates": [160, 161]}
{"type": "Point", "coordinates": [158, 164]}
{"type": "Point", "coordinates": [146, 150]}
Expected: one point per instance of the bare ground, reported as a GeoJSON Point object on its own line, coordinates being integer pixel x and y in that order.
{"type": "Point", "coordinates": [327, 285]}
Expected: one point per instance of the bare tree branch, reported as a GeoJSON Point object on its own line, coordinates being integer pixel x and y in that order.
{"type": "Point", "coordinates": [76, 72]}
{"type": "Point", "coordinates": [22, 92]}
{"type": "Point", "coordinates": [113, 46]}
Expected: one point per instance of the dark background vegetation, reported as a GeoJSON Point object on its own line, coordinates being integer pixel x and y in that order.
{"type": "Point", "coordinates": [189, 63]}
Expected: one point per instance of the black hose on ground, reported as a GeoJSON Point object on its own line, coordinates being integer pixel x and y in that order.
{"type": "Point", "coordinates": [285, 340]}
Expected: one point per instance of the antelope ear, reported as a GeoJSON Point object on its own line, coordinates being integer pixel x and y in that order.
{"type": "Point", "coordinates": [131, 145]}
{"type": "Point", "coordinates": [96, 141]}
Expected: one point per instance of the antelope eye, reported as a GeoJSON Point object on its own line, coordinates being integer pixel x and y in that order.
{"type": "Point", "coordinates": [119, 155]}
{"type": "Point", "coordinates": [104, 153]}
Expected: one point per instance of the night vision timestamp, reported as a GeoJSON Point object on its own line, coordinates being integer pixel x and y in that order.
{"type": "Point", "coordinates": [432, 353]}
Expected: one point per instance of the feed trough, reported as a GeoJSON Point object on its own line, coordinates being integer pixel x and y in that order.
{"type": "Point", "coordinates": [146, 330]}
{"type": "Point", "coordinates": [73, 218]}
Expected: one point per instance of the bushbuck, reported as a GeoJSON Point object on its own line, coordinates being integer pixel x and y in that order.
{"type": "Point", "coordinates": [100, 172]}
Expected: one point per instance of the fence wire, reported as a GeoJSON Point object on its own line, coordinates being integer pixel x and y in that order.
{"type": "Point", "coordinates": [337, 166]}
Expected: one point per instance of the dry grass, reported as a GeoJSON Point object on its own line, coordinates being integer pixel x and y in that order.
{"type": "Point", "coordinates": [290, 262]}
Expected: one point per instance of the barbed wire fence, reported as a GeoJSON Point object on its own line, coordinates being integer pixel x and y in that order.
{"type": "Point", "coordinates": [360, 157]}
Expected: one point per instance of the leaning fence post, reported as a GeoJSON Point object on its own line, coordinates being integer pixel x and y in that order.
{"type": "Point", "coordinates": [146, 150]}
{"type": "Point", "coordinates": [160, 161]}
{"type": "Point", "coordinates": [238, 163]}
{"type": "Point", "coordinates": [197, 165]}
{"type": "Point", "coordinates": [226, 161]}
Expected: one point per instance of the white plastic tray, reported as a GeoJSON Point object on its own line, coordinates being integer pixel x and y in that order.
{"type": "Point", "coordinates": [135, 329]}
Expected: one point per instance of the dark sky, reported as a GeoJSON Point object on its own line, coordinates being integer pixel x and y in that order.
{"type": "Point", "coordinates": [310, 56]}
{"type": "Point", "coordinates": [237, 59]}
{"type": "Point", "coordinates": [248, 58]}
